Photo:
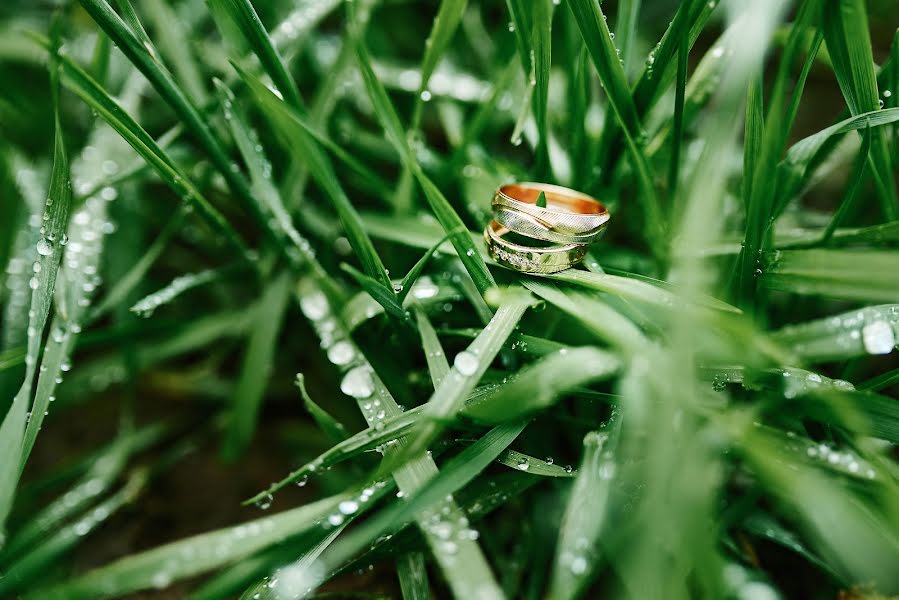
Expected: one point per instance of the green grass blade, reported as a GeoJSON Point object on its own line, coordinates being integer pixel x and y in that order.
{"type": "Point", "coordinates": [257, 364]}
{"type": "Point", "coordinates": [304, 151]}
{"type": "Point", "coordinates": [851, 275]}
{"type": "Point", "coordinates": [413, 274]}
{"type": "Point", "coordinates": [208, 551]}
{"type": "Point", "coordinates": [413, 576]}
{"type": "Point", "coordinates": [848, 41]}
{"type": "Point", "coordinates": [538, 386]}
{"type": "Point", "coordinates": [445, 24]}
{"type": "Point", "coordinates": [173, 38]}
{"type": "Point", "coordinates": [386, 298]}
{"type": "Point", "coordinates": [47, 257]}
{"type": "Point", "coordinates": [438, 367]}
{"type": "Point", "coordinates": [855, 179]}
{"type": "Point", "coordinates": [869, 330]}
{"type": "Point", "coordinates": [247, 22]}
{"type": "Point", "coordinates": [576, 555]}
{"type": "Point", "coordinates": [448, 217]}
{"type": "Point", "coordinates": [333, 428]}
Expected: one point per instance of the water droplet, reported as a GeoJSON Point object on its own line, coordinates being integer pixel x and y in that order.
{"type": "Point", "coordinates": [44, 247]}
{"type": "Point", "coordinates": [314, 305]}
{"type": "Point", "coordinates": [335, 519]}
{"type": "Point", "coordinates": [878, 337]}
{"type": "Point", "coordinates": [578, 565]}
{"type": "Point", "coordinates": [33, 283]}
{"type": "Point", "coordinates": [887, 93]}
{"type": "Point", "coordinates": [264, 502]}
{"type": "Point", "coordinates": [358, 382]}
{"type": "Point", "coordinates": [348, 507]}
{"type": "Point", "coordinates": [523, 464]}
{"type": "Point", "coordinates": [425, 96]}
{"type": "Point", "coordinates": [880, 103]}
{"type": "Point", "coordinates": [341, 353]}
{"type": "Point", "coordinates": [466, 363]}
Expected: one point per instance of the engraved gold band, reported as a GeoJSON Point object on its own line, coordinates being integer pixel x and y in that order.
{"type": "Point", "coordinates": [548, 259]}
{"type": "Point", "coordinates": [568, 217]}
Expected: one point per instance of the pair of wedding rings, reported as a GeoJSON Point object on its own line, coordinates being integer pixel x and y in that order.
{"type": "Point", "coordinates": [562, 229]}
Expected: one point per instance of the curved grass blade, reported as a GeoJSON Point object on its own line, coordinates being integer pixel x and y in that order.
{"type": "Point", "coordinates": [534, 466]}
{"type": "Point", "coordinates": [333, 428]}
{"type": "Point", "coordinates": [146, 306]}
{"type": "Point", "coordinates": [438, 367]}
{"type": "Point", "coordinates": [445, 24]}
{"type": "Point", "coordinates": [387, 299]}
{"type": "Point", "coordinates": [413, 274]}
{"type": "Point", "coordinates": [413, 576]}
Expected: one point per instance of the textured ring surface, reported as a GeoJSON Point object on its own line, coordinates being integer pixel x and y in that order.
{"type": "Point", "coordinates": [549, 259]}
{"type": "Point", "coordinates": [530, 226]}
{"type": "Point", "coordinates": [567, 212]}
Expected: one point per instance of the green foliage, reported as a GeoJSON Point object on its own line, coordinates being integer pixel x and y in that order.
{"type": "Point", "coordinates": [218, 200]}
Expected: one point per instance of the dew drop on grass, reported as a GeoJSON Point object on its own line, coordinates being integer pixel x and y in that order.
{"type": "Point", "coordinates": [523, 464]}
{"type": "Point", "coordinates": [348, 507]}
{"type": "Point", "coordinates": [357, 382]}
{"type": "Point", "coordinates": [314, 306]}
{"type": "Point", "coordinates": [466, 363]}
{"type": "Point", "coordinates": [265, 502]}
{"type": "Point", "coordinates": [44, 247]}
{"type": "Point", "coordinates": [341, 353]}
{"type": "Point", "coordinates": [33, 283]}
{"type": "Point", "coordinates": [878, 337]}
{"type": "Point", "coordinates": [425, 96]}
{"type": "Point", "coordinates": [335, 519]}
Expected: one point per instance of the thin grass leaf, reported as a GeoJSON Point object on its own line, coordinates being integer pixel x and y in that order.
{"type": "Point", "coordinates": [257, 364]}
{"type": "Point", "coordinates": [413, 274]}
{"type": "Point", "coordinates": [146, 306]}
{"type": "Point", "coordinates": [79, 82]}
{"type": "Point", "coordinates": [848, 41]}
{"type": "Point", "coordinates": [305, 152]}
{"type": "Point", "coordinates": [534, 466]}
{"type": "Point", "coordinates": [522, 25]}
{"type": "Point", "coordinates": [333, 428]}
{"type": "Point", "coordinates": [855, 179]}
{"type": "Point", "coordinates": [542, 53]}
{"type": "Point", "coordinates": [445, 214]}
{"type": "Point", "coordinates": [147, 62]}
{"type": "Point", "coordinates": [438, 367]}
{"type": "Point", "coordinates": [539, 385]}
{"type": "Point", "coordinates": [592, 24]}
{"type": "Point", "coordinates": [247, 22]}
{"type": "Point", "coordinates": [870, 330]}
{"type": "Point", "coordinates": [387, 299]}
{"type": "Point", "coordinates": [47, 256]}
{"type": "Point", "coordinates": [445, 24]}
{"type": "Point", "coordinates": [173, 38]}
{"type": "Point", "coordinates": [207, 551]}
{"type": "Point", "coordinates": [683, 52]}
{"type": "Point", "coordinates": [852, 275]}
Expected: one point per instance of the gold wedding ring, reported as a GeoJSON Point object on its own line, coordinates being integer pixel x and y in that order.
{"type": "Point", "coordinates": [564, 227]}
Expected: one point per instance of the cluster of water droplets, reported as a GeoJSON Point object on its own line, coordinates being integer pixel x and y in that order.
{"type": "Point", "coordinates": [448, 527]}
{"type": "Point", "coordinates": [301, 20]}
{"type": "Point", "coordinates": [146, 306]}
{"type": "Point", "coordinates": [873, 330]}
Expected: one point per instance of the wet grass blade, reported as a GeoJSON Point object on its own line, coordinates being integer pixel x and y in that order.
{"type": "Point", "coordinates": [386, 298]}
{"type": "Point", "coordinates": [438, 367]}
{"type": "Point", "coordinates": [848, 274]}
{"type": "Point", "coordinates": [848, 40]}
{"type": "Point", "coordinates": [445, 24]}
{"type": "Point", "coordinates": [47, 257]}
{"type": "Point", "coordinates": [539, 385]}
{"type": "Point", "coordinates": [413, 576]}
{"type": "Point", "coordinates": [869, 330]}
{"type": "Point", "coordinates": [445, 214]}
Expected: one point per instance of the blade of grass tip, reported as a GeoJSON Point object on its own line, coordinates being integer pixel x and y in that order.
{"type": "Point", "coordinates": [438, 367]}
{"type": "Point", "coordinates": [626, 26]}
{"type": "Point", "coordinates": [445, 24]}
{"type": "Point", "coordinates": [463, 564]}
{"type": "Point", "coordinates": [869, 330]}
{"type": "Point", "coordinates": [848, 41]}
{"type": "Point", "coordinates": [146, 306]}
{"type": "Point", "coordinates": [148, 63]}
{"type": "Point", "coordinates": [163, 565]}
{"type": "Point", "coordinates": [522, 25]}
{"type": "Point", "coordinates": [385, 298]}
{"type": "Point", "coordinates": [537, 386]}
{"type": "Point", "coordinates": [577, 552]}
{"type": "Point", "coordinates": [42, 283]}
{"type": "Point", "coordinates": [855, 179]}
{"type": "Point", "coordinates": [257, 365]}
{"type": "Point", "coordinates": [468, 368]}
{"type": "Point", "coordinates": [123, 287]}
{"type": "Point", "coordinates": [413, 576]}
{"type": "Point", "coordinates": [458, 472]}
{"type": "Point", "coordinates": [754, 131]}
{"type": "Point", "coordinates": [304, 151]}
{"type": "Point", "coordinates": [79, 82]}
{"type": "Point", "coordinates": [333, 428]}
{"type": "Point", "coordinates": [445, 214]}
{"type": "Point", "coordinates": [592, 24]}
{"type": "Point", "coordinates": [248, 24]}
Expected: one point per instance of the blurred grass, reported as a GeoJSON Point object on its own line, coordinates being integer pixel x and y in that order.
{"type": "Point", "coordinates": [292, 192]}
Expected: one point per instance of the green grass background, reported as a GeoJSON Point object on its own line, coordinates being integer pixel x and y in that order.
{"type": "Point", "coordinates": [252, 345]}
